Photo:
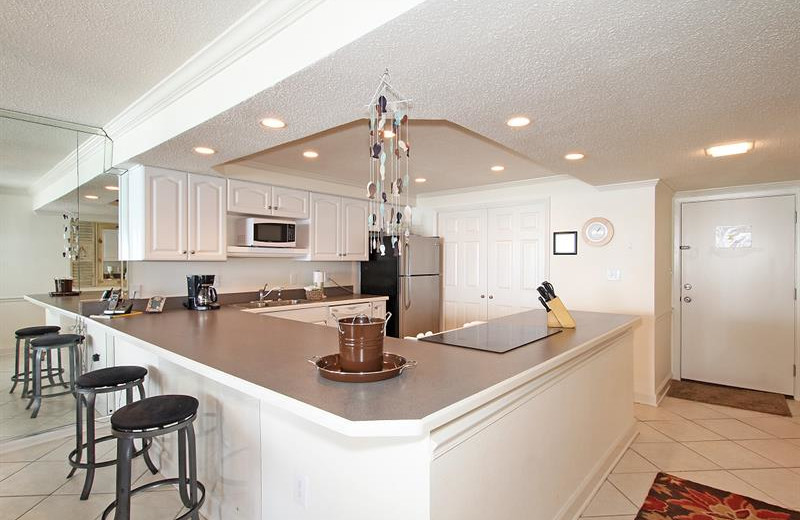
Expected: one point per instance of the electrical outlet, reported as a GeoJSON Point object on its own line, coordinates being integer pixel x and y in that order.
{"type": "Point", "coordinates": [614, 275]}
{"type": "Point", "coordinates": [301, 485]}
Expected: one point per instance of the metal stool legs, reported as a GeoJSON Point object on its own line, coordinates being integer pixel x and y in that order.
{"type": "Point", "coordinates": [88, 397]}
{"type": "Point", "coordinates": [192, 492]}
{"type": "Point", "coordinates": [17, 374]}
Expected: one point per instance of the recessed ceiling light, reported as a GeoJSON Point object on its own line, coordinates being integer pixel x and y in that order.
{"type": "Point", "coordinates": [310, 154]}
{"type": "Point", "coordinates": [204, 150]}
{"type": "Point", "coordinates": [420, 179]}
{"type": "Point", "coordinates": [92, 197]}
{"type": "Point", "coordinates": [271, 122]}
{"type": "Point", "coordinates": [518, 121]}
{"type": "Point", "coordinates": [388, 133]}
{"type": "Point", "coordinates": [112, 188]}
{"type": "Point", "coordinates": [729, 149]}
{"type": "Point", "coordinates": [498, 168]}
{"type": "Point", "coordinates": [574, 156]}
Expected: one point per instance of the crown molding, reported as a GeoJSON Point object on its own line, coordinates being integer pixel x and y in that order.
{"type": "Point", "coordinates": [649, 183]}
{"type": "Point", "coordinates": [252, 30]}
{"type": "Point", "coordinates": [498, 186]}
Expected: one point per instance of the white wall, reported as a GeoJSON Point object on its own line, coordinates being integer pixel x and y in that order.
{"type": "Point", "coordinates": [30, 257]}
{"type": "Point", "coordinates": [663, 287]}
{"type": "Point", "coordinates": [581, 280]}
{"type": "Point", "coordinates": [234, 275]}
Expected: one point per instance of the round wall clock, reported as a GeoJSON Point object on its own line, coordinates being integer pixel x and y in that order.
{"type": "Point", "coordinates": [598, 231]}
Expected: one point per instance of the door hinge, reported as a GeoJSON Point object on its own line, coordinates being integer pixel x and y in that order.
{"type": "Point", "coordinates": [795, 293]}
{"type": "Point", "coordinates": [795, 217]}
{"type": "Point", "coordinates": [794, 370]}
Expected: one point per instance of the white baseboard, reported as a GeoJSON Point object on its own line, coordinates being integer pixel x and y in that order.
{"type": "Point", "coordinates": [663, 388]}
{"type": "Point", "coordinates": [591, 484]}
{"type": "Point", "coordinates": [655, 398]}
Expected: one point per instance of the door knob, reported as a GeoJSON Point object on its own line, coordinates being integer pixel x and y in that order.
{"type": "Point", "coordinates": [483, 296]}
{"type": "Point", "coordinates": [686, 299]}
{"type": "Point", "coordinates": [491, 297]}
{"type": "Point", "coordinates": [687, 286]}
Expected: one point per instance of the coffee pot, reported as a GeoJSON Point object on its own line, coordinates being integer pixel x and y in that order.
{"type": "Point", "coordinates": [206, 296]}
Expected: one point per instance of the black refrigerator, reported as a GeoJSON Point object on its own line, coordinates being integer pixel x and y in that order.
{"type": "Point", "coordinates": [412, 282]}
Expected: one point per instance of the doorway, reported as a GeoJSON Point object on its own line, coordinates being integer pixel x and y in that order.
{"type": "Point", "coordinates": [737, 292]}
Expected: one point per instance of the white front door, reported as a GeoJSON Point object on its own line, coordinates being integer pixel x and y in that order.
{"type": "Point", "coordinates": [738, 292]}
{"type": "Point", "coordinates": [464, 237]}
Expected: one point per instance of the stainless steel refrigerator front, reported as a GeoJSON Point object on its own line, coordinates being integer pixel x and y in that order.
{"type": "Point", "coordinates": [419, 299]}
{"type": "Point", "coordinates": [411, 282]}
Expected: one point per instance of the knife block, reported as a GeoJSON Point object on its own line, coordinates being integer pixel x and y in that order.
{"type": "Point", "coordinates": [559, 316]}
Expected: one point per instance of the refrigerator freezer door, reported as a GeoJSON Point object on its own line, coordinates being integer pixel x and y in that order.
{"type": "Point", "coordinates": [420, 256]}
{"type": "Point", "coordinates": [419, 304]}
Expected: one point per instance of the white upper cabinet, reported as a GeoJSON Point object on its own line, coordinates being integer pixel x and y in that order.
{"type": "Point", "coordinates": [325, 228]}
{"type": "Point", "coordinates": [290, 203]}
{"type": "Point", "coordinates": [171, 215]}
{"type": "Point", "coordinates": [165, 215]}
{"type": "Point", "coordinates": [251, 198]}
{"type": "Point", "coordinates": [254, 198]}
{"type": "Point", "coordinates": [354, 237]}
{"type": "Point", "coordinates": [338, 228]}
{"type": "Point", "coordinates": [206, 218]}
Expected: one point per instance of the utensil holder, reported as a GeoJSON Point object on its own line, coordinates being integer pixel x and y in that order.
{"type": "Point", "coordinates": [559, 316]}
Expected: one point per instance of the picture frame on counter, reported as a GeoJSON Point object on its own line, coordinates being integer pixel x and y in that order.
{"type": "Point", "coordinates": [565, 242]}
{"type": "Point", "coordinates": [155, 304]}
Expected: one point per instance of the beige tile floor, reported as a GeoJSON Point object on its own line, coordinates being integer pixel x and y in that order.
{"type": "Point", "coordinates": [33, 486]}
{"type": "Point", "coordinates": [749, 453]}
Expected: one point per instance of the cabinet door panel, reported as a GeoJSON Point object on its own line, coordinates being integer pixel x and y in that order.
{"type": "Point", "coordinates": [325, 228]}
{"type": "Point", "coordinates": [251, 198]}
{"type": "Point", "coordinates": [207, 218]}
{"type": "Point", "coordinates": [355, 238]}
{"type": "Point", "coordinates": [290, 203]}
{"type": "Point", "coordinates": [165, 214]}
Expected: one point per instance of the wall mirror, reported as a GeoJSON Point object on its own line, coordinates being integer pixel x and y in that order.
{"type": "Point", "coordinates": [50, 229]}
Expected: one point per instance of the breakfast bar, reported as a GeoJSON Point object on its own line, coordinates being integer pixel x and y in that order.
{"type": "Point", "coordinates": [465, 434]}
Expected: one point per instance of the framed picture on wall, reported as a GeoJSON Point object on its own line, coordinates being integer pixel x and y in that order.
{"type": "Point", "coordinates": [565, 242]}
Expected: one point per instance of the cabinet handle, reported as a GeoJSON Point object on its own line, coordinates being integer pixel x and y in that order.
{"type": "Point", "coordinates": [483, 296]}
{"type": "Point", "coordinates": [491, 297]}
{"type": "Point", "coordinates": [270, 207]}
{"type": "Point", "coordinates": [192, 252]}
{"type": "Point", "coordinates": [183, 252]}
{"type": "Point", "coordinates": [277, 207]}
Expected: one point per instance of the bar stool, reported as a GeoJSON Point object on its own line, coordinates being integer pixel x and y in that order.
{"type": "Point", "coordinates": [46, 344]}
{"type": "Point", "coordinates": [87, 386]}
{"type": "Point", "coordinates": [148, 418]}
{"type": "Point", "coordinates": [25, 335]}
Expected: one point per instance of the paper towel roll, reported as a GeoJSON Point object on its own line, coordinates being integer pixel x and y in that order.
{"type": "Point", "coordinates": [319, 278]}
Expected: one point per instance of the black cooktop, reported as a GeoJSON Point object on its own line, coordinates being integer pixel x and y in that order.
{"type": "Point", "coordinates": [497, 337]}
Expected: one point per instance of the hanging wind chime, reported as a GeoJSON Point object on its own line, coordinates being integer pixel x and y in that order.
{"type": "Point", "coordinates": [389, 157]}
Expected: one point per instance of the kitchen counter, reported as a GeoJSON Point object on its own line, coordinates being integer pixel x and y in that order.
{"type": "Point", "coordinates": [558, 412]}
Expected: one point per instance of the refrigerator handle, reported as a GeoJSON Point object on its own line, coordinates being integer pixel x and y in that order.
{"type": "Point", "coordinates": [406, 295]}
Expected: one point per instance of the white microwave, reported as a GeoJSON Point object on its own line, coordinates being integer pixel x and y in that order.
{"type": "Point", "coordinates": [265, 232]}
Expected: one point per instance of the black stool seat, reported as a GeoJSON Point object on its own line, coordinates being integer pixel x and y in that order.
{"type": "Point", "coordinates": [36, 331]}
{"type": "Point", "coordinates": [56, 340]}
{"type": "Point", "coordinates": [111, 376]}
{"type": "Point", "coordinates": [154, 412]}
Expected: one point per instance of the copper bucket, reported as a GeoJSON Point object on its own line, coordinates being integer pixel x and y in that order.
{"type": "Point", "coordinates": [361, 343]}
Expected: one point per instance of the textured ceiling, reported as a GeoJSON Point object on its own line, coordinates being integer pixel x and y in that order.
{"type": "Point", "coordinates": [85, 61]}
{"type": "Point", "coordinates": [438, 146]}
{"type": "Point", "coordinates": [640, 87]}
{"type": "Point", "coordinates": [29, 150]}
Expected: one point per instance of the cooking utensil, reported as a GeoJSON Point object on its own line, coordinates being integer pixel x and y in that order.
{"type": "Point", "coordinates": [544, 294]}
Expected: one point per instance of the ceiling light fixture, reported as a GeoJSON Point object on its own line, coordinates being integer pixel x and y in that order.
{"type": "Point", "coordinates": [497, 168]}
{"type": "Point", "coordinates": [112, 188]}
{"type": "Point", "coordinates": [310, 154]}
{"type": "Point", "coordinates": [729, 149]}
{"type": "Point", "coordinates": [518, 121]}
{"type": "Point", "coordinates": [574, 156]}
{"type": "Point", "coordinates": [92, 197]}
{"type": "Point", "coordinates": [420, 179]}
{"type": "Point", "coordinates": [204, 150]}
{"type": "Point", "coordinates": [271, 122]}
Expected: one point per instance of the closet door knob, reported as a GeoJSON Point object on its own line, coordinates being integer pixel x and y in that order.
{"type": "Point", "coordinates": [491, 297]}
{"type": "Point", "coordinates": [483, 296]}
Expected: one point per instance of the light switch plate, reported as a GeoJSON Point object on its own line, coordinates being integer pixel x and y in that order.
{"type": "Point", "coordinates": [613, 274]}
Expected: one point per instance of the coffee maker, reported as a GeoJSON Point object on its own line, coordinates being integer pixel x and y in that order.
{"type": "Point", "coordinates": [202, 294]}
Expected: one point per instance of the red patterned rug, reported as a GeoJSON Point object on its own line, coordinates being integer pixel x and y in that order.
{"type": "Point", "coordinates": [672, 498]}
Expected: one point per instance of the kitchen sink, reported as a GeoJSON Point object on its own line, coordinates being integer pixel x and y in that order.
{"type": "Point", "coordinates": [257, 304]}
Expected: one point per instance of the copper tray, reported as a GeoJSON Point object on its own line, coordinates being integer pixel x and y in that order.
{"type": "Point", "coordinates": [328, 367]}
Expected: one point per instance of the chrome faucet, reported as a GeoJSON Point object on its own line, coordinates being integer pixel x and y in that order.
{"type": "Point", "coordinates": [263, 293]}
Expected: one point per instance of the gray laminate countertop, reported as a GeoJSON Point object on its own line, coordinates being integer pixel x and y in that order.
{"type": "Point", "coordinates": [272, 353]}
